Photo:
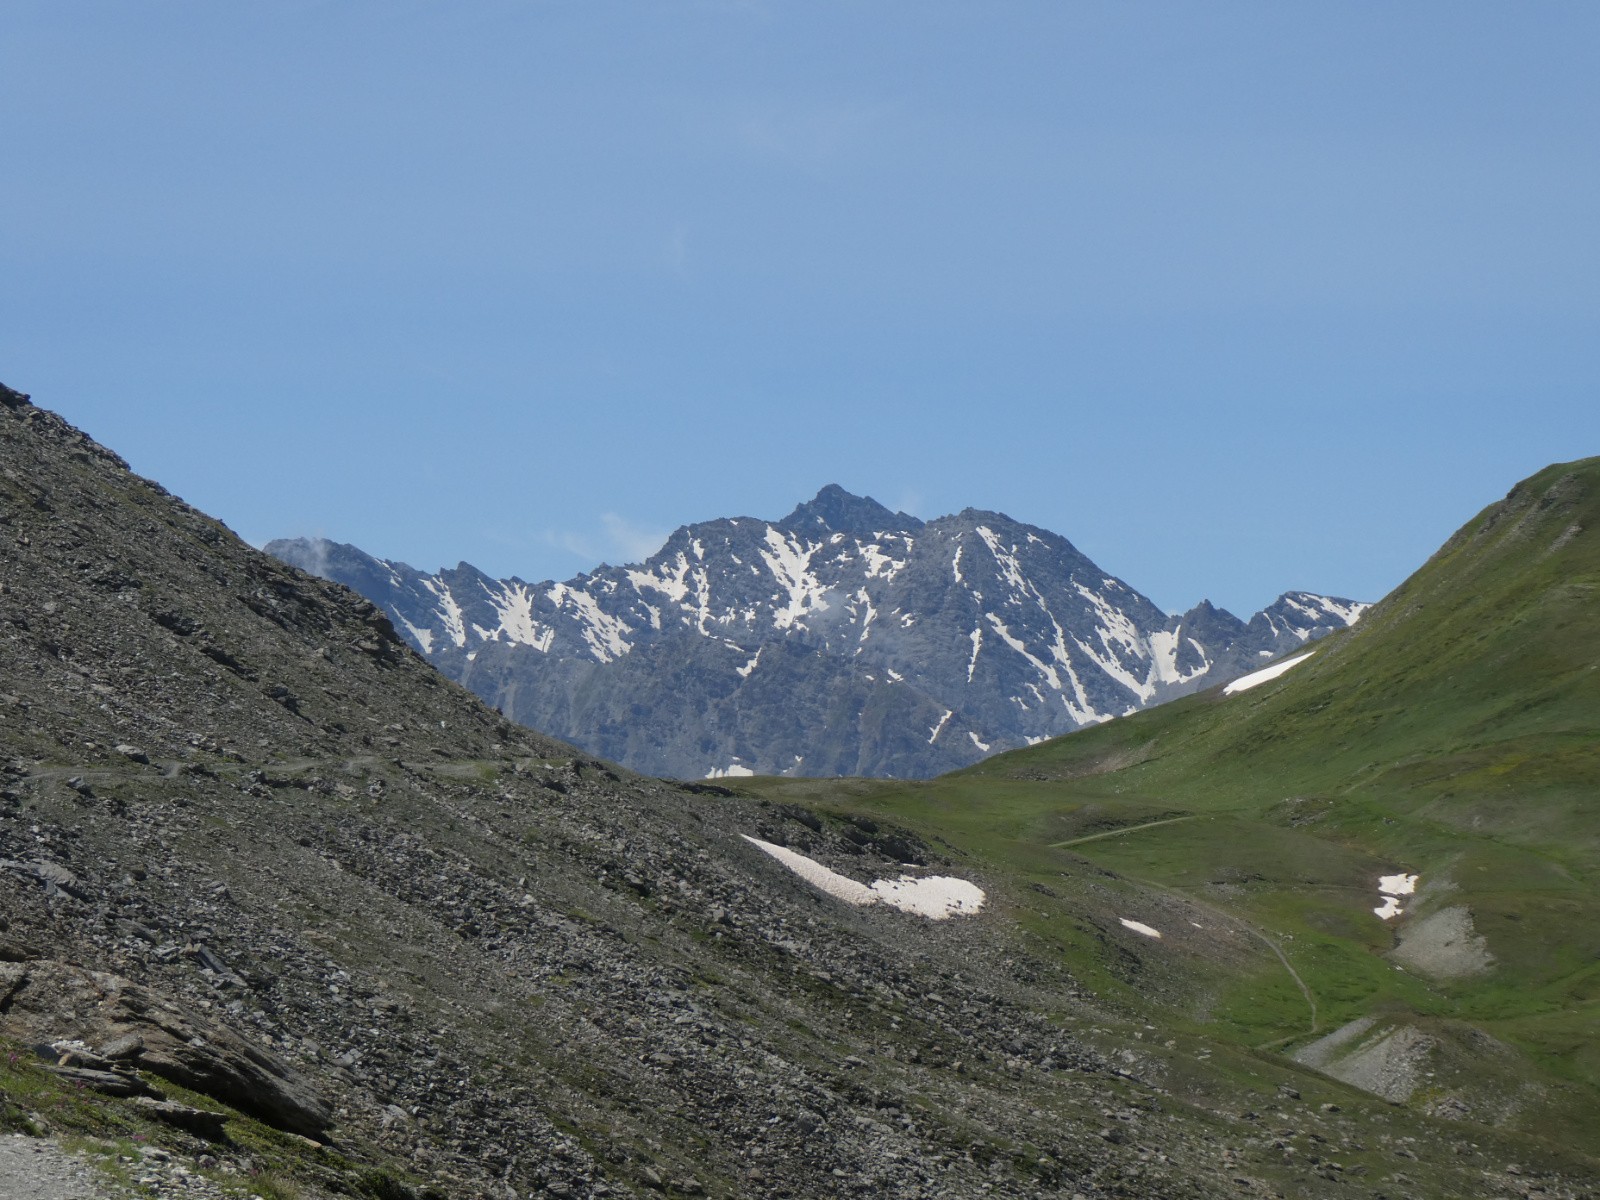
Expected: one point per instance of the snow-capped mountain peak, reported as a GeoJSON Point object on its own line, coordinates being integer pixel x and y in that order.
{"type": "Point", "coordinates": [842, 639]}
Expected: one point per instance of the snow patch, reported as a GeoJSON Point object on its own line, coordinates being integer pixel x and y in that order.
{"type": "Point", "coordinates": [449, 612]}
{"type": "Point", "coordinates": [1046, 671]}
{"type": "Point", "coordinates": [731, 771]}
{"type": "Point", "coordinates": [936, 897]}
{"type": "Point", "coordinates": [1349, 613]}
{"type": "Point", "coordinates": [514, 606]}
{"type": "Point", "coordinates": [1117, 632]}
{"type": "Point", "coordinates": [1391, 888]}
{"type": "Point", "coordinates": [1164, 656]}
{"type": "Point", "coordinates": [605, 634]}
{"type": "Point", "coordinates": [983, 746]}
{"type": "Point", "coordinates": [1245, 682]}
{"type": "Point", "coordinates": [671, 581]}
{"type": "Point", "coordinates": [424, 636]}
{"type": "Point", "coordinates": [864, 598]}
{"type": "Point", "coordinates": [790, 563]}
{"type": "Point", "coordinates": [933, 734]}
{"type": "Point", "coordinates": [933, 896]}
{"type": "Point", "coordinates": [1319, 608]}
{"type": "Point", "coordinates": [878, 563]}
{"type": "Point", "coordinates": [1006, 560]}
{"type": "Point", "coordinates": [1164, 659]}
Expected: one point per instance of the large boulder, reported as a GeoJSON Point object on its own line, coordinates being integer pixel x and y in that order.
{"type": "Point", "coordinates": [48, 1001]}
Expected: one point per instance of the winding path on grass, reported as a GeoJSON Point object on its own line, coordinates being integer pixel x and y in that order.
{"type": "Point", "coordinates": [1305, 991]}
{"type": "Point", "coordinates": [1095, 837]}
{"type": "Point", "coordinates": [1235, 918]}
{"type": "Point", "coordinates": [1311, 1000]}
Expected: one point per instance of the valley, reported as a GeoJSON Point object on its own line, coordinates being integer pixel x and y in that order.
{"type": "Point", "coordinates": [1443, 750]}
{"type": "Point", "coordinates": [311, 920]}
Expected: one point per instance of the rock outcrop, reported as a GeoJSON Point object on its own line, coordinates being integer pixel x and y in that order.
{"type": "Point", "coordinates": [119, 1022]}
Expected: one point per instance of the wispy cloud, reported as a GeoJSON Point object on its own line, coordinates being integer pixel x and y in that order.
{"type": "Point", "coordinates": [632, 540]}
{"type": "Point", "coordinates": [910, 501]}
{"type": "Point", "coordinates": [618, 540]}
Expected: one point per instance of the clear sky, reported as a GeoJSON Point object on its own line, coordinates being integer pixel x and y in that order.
{"type": "Point", "coordinates": [1239, 297]}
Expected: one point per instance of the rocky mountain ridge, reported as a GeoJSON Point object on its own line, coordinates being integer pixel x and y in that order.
{"type": "Point", "coordinates": [844, 639]}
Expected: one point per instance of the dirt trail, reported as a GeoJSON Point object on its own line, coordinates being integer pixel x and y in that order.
{"type": "Point", "coordinates": [36, 1169]}
{"type": "Point", "coordinates": [1311, 1000]}
{"type": "Point", "coordinates": [1095, 837]}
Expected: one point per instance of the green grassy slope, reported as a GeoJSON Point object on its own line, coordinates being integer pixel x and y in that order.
{"type": "Point", "coordinates": [1479, 674]}
{"type": "Point", "coordinates": [1454, 733]}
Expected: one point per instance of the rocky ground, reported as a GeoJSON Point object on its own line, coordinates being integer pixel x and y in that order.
{"type": "Point", "coordinates": [280, 902]}
{"type": "Point", "coordinates": [39, 1169]}
{"type": "Point", "coordinates": [33, 1169]}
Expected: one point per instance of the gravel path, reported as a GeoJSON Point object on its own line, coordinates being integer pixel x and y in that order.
{"type": "Point", "coordinates": [34, 1169]}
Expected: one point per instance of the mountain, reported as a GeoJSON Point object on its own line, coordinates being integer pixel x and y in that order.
{"type": "Point", "coordinates": [284, 910]}
{"type": "Point", "coordinates": [1406, 815]}
{"type": "Point", "coordinates": [844, 639]}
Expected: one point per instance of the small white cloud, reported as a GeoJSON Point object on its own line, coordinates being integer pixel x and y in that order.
{"type": "Point", "coordinates": [634, 543]}
{"type": "Point", "coordinates": [576, 544]}
{"type": "Point", "coordinates": [618, 540]}
{"type": "Point", "coordinates": [910, 501]}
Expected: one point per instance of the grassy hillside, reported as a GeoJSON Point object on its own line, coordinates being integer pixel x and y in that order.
{"type": "Point", "coordinates": [1453, 734]}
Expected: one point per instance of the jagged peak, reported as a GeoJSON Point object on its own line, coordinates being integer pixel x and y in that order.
{"type": "Point", "coordinates": [975, 515]}
{"type": "Point", "coordinates": [1008, 526]}
{"type": "Point", "coordinates": [840, 511]}
{"type": "Point", "coordinates": [278, 546]}
{"type": "Point", "coordinates": [1207, 615]}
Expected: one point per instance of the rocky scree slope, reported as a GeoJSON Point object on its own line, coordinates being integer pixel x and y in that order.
{"type": "Point", "coordinates": [257, 857]}
{"type": "Point", "coordinates": [845, 639]}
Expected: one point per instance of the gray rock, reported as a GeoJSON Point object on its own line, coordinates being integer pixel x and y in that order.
{"type": "Point", "coordinates": [199, 1121]}
{"type": "Point", "coordinates": [61, 1000]}
{"type": "Point", "coordinates": [112, 1083]}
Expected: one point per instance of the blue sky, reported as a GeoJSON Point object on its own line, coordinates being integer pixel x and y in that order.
{"type": "Point", "coordinates": [1239, 297]}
